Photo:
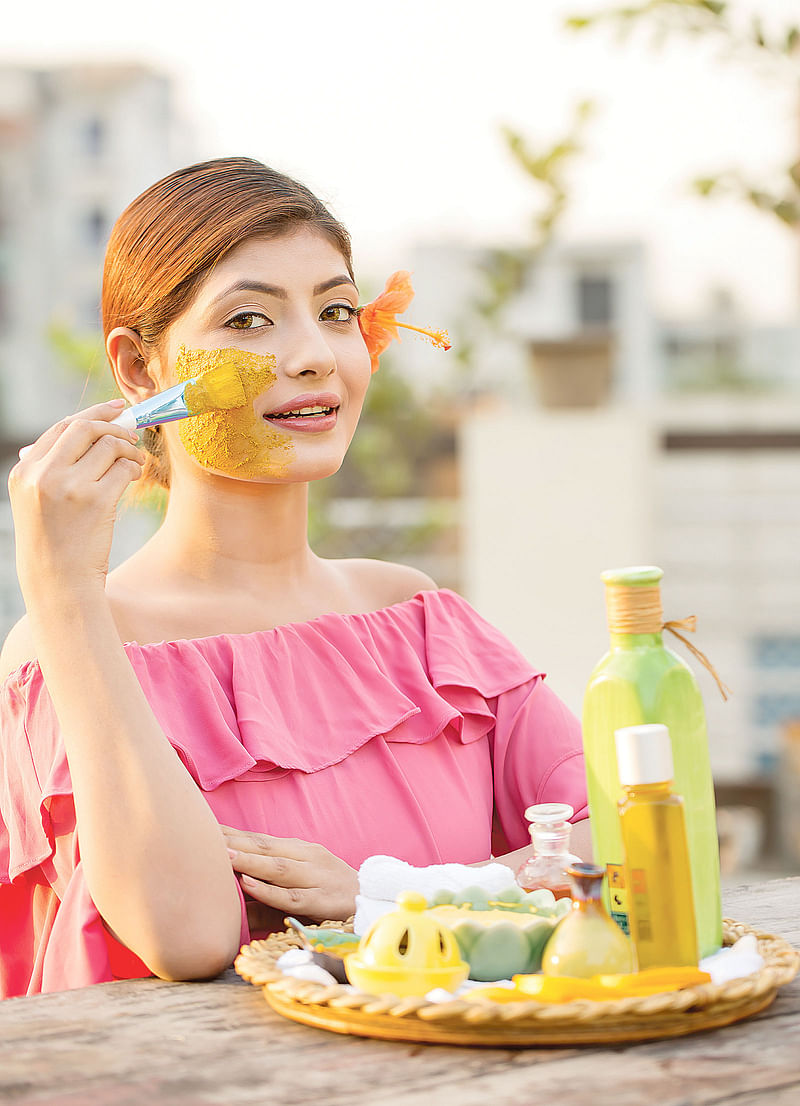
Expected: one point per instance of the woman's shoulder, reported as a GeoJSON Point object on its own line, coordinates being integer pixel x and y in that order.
{"type": "Point", "coordinates": [379, 584]}
{"type": "Point", "coordinates": [18, 648]}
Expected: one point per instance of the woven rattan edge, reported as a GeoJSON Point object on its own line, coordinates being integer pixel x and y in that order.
{"type": "Point", "coordinates": [256, 963]}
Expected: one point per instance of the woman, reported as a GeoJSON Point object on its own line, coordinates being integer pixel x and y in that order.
{"type": "Point", "coordinates": [227, 725]}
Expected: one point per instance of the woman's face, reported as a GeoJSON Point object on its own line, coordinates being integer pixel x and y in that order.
{"type": "Point", "coordinates": [291, 298]}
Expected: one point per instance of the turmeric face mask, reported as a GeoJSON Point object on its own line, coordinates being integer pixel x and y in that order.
{"type": "Point", "coordinates": [235, 442]}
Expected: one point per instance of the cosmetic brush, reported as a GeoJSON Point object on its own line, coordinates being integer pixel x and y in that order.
{"type": "Point", "coordinates": [218, 389]}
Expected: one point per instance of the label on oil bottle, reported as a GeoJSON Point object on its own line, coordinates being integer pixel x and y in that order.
{"type": "Point", "coordinates": [618, 896]}
{"type": "Point", "coordinates": [641, 902]}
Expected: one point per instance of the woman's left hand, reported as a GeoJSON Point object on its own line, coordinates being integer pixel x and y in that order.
{"type": "Point", "coordinates": [293, 876]}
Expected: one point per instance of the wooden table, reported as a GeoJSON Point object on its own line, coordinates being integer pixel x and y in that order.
{"type": "Point", "coordinates": [188, 1044]}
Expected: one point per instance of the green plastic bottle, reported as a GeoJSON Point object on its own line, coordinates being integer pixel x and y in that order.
{"type": "Point", "coordinates": [640, 681]}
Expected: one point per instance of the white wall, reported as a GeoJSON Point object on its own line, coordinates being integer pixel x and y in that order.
{"type": "Point", "coordinates": [549, 501]}
{"type": "Point", "coordinates": [597, 491]}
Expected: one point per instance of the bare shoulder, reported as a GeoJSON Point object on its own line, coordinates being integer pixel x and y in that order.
{"type": "Point", "coordinates": [17, 648]}
{"type": "Point", "coordinates": [382, 583]}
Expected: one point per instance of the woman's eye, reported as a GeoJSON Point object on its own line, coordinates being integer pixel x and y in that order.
{"type": "Point", "coordinates": [247, 320]}
{"type": "Point", "coordinates": [338, 313]}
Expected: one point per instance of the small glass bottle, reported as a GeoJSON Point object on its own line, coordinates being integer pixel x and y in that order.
{"type": "Point", "coordinates": [586, 941]}
{"type": "Point", "coordinates": [657, 867]}
{"type": "Point", "coordinates": [549, 829]}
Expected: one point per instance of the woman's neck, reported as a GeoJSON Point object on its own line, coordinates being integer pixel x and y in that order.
{"type": "Point", "coordinates": [240, 532]}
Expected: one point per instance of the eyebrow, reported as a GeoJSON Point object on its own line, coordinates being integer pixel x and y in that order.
{"type": "Point", "coordinates": [278, 292]}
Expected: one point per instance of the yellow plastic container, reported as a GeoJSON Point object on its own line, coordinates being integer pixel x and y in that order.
{"type": "Point", "coordinates": [657, 868]}
{"type": "Point", "coordinates": [407, 952]}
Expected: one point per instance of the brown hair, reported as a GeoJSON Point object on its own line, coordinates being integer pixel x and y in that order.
{"type": "Point", "coordinates": [167, 240]}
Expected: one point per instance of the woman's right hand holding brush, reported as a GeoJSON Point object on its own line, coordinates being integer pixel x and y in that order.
{"type": "Point", "coordinates": [64, 493]}
{"type": "Point", "coordinates": [152, 852]}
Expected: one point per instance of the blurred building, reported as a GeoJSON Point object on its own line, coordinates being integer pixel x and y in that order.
{"type": "Point", "coordinates": [596, 434]}
{"type": "Point", "coordinates": [77, 143]}
{"type": "Point", "coordinates": [516, 319]}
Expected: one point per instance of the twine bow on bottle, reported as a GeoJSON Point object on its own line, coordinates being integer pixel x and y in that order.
{"type": "Point", "coordinates": [690, 624]}
{"type": "Point", "coordinates": [637, 610]}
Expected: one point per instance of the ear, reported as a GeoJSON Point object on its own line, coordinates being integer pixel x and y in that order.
{"type": "Point", "coordinates": [133, 369]}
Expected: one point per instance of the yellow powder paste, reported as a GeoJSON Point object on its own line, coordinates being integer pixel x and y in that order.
{"type": "Point", "coordinates": [236, 442]}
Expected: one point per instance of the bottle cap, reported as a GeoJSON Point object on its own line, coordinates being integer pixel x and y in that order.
{"type": "Point", "coordinates": [548, 814]}
{"type": "Point", "coordinates": [632, 576]}
{"type": "Point", "coordinates": [644, 754]}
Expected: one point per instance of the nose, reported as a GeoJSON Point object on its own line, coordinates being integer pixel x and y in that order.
{"type": "Point", "coordinates": [307, 353]}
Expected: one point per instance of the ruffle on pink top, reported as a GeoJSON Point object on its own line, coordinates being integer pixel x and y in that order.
{"type": "Point", "coordinates": [417, 731]}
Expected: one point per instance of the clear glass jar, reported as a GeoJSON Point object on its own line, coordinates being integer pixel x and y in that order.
{"type": "Point", "coordinates": [586, 941]}
{"type": "Point", "coordinates": [550, 830]}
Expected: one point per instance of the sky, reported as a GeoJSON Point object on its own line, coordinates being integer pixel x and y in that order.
{"type": "Point", "coordinates": [392, 113]}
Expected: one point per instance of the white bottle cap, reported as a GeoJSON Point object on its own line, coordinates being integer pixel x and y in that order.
{"type": "Point", "coordinates": [644, 754]}
{"type": "Point", "coordinates": [548, 814]}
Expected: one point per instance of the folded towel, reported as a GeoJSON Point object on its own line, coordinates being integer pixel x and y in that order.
{"type": "Point", "coordinates": [382, 878]}
{"type": "Point", "coordinates": [740, 959]}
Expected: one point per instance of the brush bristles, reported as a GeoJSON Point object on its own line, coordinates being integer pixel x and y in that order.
{"type": "Point", "coordinates": [218, 389]}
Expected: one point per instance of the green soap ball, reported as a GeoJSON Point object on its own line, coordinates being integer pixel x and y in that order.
{"type": "Point", "coordinates": [513, 894]}
{"type": "Point", "coordinates": [475, 897]}
{"type": "Point", "coordinates": [499, 952]}
{"type": "Point", "coordinates": [542, 899]}
{"type": "Point", "coordinates": [442, 898]}
{"type": "Point", "coordinates": [562, 907]}
{"type": "Point", "coordinates": [466, 934]}
{"type": "Point", "coordinates": [538, 935]}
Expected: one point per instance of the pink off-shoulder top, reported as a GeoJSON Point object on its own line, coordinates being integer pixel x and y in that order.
{"type": "Point", "coordinates": [417, 731]}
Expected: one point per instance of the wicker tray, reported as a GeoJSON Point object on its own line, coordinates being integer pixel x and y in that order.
{"type": "Point", "coordinates": [672, 1014]}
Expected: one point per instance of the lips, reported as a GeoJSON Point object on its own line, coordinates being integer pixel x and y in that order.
{"type": "Point", "coordinates": [310, 412]}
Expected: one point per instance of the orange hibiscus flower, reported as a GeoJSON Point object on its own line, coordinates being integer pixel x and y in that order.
{"type": "Point", "coordinates": [379, 325]}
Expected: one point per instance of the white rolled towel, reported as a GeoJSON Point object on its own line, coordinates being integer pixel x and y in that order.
{"type": "Point", "coordinates": [740, 959]}
{"type": "Point", "coordinates": [382, 878]}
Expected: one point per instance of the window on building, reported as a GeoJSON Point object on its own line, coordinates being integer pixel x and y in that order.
{"type": "Point", "coordinates": [94, 136]}
{"type": "Point", "coordinates": [777, 651]}
{"type": "Point", "coordinates": [595, 295]}
{"type": "Point", "coordinates": [95, 228]}
{"type": "Point", "coordinates": [772, 709]}
{"type": "Point", "coordinates": [777, 658]}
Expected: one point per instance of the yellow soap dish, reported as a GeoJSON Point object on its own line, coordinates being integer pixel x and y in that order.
{"type": "Point", "coordinates": [407, 952]}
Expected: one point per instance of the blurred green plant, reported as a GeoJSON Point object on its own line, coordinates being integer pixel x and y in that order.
{"type": "Point", "coordinates": [503, 270]}
{"type": "Point", "coordinates": [774, 54]}
{"type": "Point", "coordinates": [399, 440]}
{"type": "Point", "coordinates": [82, 356]}
{"type": "Point", "coordinates": [548, 169]}
{"type": "Point", "coordinates": [702, 375]}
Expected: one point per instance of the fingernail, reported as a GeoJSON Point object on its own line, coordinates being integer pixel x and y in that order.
{"type": "Point", "coordinates": [232, 853]}
{"type": "Point", "coordinates": [118, 402]}
{"type": "Point", "coordinates": [24, 451]}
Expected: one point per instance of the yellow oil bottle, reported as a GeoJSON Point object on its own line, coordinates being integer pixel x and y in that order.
{"type": "Point", "coordinates": [656, 853]}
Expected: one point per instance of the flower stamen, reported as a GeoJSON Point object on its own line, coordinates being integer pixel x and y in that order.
{"type": "Point", "coordinates": [439, 338]}
{"type": "Point", "coordinates": [377, 320]}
